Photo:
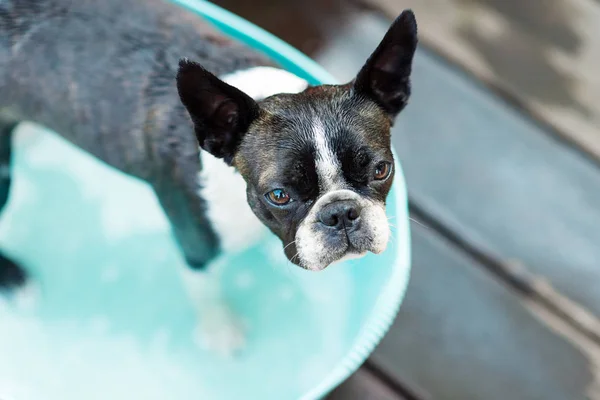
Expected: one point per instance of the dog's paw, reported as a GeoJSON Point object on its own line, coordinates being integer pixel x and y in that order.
{"type": "Point", "coordinates": [11, 275]}
{"type": "Point", "coordinates": [220, 331]}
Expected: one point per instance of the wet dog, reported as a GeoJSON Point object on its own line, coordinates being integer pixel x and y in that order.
{"type": "Point", "coordinates": [230, 143]}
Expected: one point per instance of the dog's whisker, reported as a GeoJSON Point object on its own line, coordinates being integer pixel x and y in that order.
{"type": "Point", "coordinates": [289, 244]}
{"type": "Point", "coordinates": [290, 266]}
{"type": "Point", "coordinates": [419, 223]}
{"type": "Point", "coordinates": [289, 262]}
{"type": "Point", "coordinates": [295, 255]}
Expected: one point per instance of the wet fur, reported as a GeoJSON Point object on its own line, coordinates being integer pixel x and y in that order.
{"type": "Point", "coordinates": [102, 74]}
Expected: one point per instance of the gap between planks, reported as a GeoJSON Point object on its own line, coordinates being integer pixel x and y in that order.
{"type": "Point", "coordinates": [407, 391]}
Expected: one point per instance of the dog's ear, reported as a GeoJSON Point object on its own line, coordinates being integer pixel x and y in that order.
{"type": "Point", "coordinates": [385, 77]}
{"type": "Point", "coordinates": [221, 113]}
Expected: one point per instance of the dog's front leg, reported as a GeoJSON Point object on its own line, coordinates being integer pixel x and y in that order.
{"type": "Point", "coordinates": [218, 328]}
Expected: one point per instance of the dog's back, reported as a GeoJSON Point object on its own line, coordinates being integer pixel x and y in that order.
{"type": "Point", "coordinates": [102, 73]}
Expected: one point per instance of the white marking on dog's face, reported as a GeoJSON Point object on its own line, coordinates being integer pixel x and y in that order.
{"type": "Point", "coordinates": [318, 245]}
{"type": "Point", "coordinates": [318, 248]}
{"type": "Point", "coordinates": [328, 166]}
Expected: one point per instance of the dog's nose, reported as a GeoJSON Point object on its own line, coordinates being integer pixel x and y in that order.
{"type": "Point", "coordinates": [340, 214]}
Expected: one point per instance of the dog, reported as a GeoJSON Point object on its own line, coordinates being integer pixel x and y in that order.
{"type": "Point", "coordinates": [231, 144]}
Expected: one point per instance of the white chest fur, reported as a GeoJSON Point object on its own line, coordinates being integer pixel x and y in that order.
{"type": "Point", "coordinates": [225, 193]}
{"type": "Point", "coordinates": [222, 187]}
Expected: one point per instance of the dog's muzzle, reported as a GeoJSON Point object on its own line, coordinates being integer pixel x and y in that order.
{"type": "Point", "coordinates": [341, 223]}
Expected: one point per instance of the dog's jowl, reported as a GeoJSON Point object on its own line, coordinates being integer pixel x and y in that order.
{"type": "Point", "coordinates": [231, 144]}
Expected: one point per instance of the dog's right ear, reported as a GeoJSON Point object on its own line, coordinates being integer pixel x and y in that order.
{"type": "Point", "coordinates": [221, 113]}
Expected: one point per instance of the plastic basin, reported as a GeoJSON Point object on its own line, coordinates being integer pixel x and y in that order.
{"type": "Point", "coordinates": [107, 318]}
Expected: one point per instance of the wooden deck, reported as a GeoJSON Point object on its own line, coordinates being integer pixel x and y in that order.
{"type": "Point", "coordinates": [504, 299]}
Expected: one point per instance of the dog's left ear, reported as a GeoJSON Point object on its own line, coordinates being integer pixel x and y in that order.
{"type": "Point", "coordinates": [385, 78]}
{"type": "Point", "coordinates": [221, 113]}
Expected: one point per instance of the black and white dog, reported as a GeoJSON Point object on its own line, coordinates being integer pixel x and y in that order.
{"type": "Point", "coordinates": [227, 152]}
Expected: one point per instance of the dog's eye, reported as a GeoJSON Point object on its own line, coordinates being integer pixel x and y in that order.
{"type": "Point", "coordinates": [279, 197]}
{"type": "Point", "coordinates": [382, 170]}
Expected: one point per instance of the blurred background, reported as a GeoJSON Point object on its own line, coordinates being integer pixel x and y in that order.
{"type": "Point", "coordinates": [501, 148]}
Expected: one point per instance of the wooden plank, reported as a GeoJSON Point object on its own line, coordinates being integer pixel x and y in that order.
{"type": "Point", "coordinates": [461, 334]}
{"type": "Point", "coordinates": [363, 385]}
{"type": "Point", "coordinates": [544, 54]}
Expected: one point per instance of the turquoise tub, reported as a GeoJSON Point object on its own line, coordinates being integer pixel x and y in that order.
{"type": "Point", "coordinates": [106, 317]}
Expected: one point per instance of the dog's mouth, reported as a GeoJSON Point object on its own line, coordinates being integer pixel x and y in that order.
{"type": "Point", "coordinates": [351, 254]}
{"type": "Point", "coordinates": [345, 249]}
